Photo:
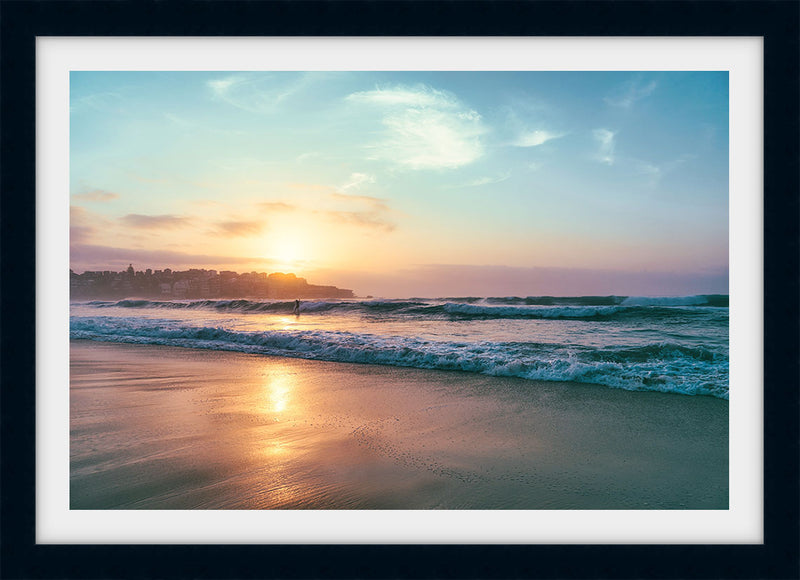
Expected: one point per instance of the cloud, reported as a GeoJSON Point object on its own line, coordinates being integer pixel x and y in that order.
{"type": "Point", "coordinates": [630, 93]}
{"type": "Point", "coordinates": [222, 86]}
{"type": "Point", "coordinates": [94, 257]}
{"type": "Point", "coordinates": [401, 96]}
{"type": "Point", "coordinates": [424, 128]}
{"type": "Point", "coordinates": [356, 181]}
{"type": "Point", "coordinates": [136, 220]}
{"type": "Point", "coordinates": [376, 202]}
{"type": "Point", "coordinates": [606, 139]}
{"type": "Point", "coordinates": [429, 139]}
{"type": "Point", "coordinates": [179, 121]}
{"type": "Point", "coordinates": [80, 230]}
{"type": "Point", "coordinates": [536, 138]}
{"type": "Point", "coordinates": [238, 228]}
{"type": "Point", "coordinates": [258, 93]}
{"type": "Point", "coordinates": [368, 219]}
{"type": "Point", "coordinates": [99, 195]}
{"type": "Point", "coordinates": [373, 217]}
{"type": "Point", "coordinates": [651, 172]}
{"type": "Point", "coordinates": [486, 180]}
{"type": "Point", "coordinates": [523, 125]}
{"type": "Point", "coordinates": [104, 102]}
{"type": "Point", "coordinates": [85, 224]}
{"type": "Point", "coordinates": [655, 172]}
{"type": "Point", "coordinates": [80, 234]}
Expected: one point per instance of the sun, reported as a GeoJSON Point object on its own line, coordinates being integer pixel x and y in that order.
{"type": "Point", "coordinates": [287, 252]}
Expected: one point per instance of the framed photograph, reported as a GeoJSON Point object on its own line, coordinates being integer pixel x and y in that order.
{"type": "Point", "coordinates": [420, 298]}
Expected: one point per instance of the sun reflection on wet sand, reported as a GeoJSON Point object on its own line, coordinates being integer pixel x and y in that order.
{"type": "Point", "coordinates": [279, 388]}
{"type": "Point", "coordinates": [275, 448]}
{"type": "Point", "coordinates": [163, 428]}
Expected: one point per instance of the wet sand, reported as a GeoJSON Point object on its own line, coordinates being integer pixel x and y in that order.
{"type": "Point", "coordinates": [154, 427]}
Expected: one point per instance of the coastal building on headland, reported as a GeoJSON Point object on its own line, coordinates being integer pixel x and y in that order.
{"type": "Point", "coordinates": [195, 283]}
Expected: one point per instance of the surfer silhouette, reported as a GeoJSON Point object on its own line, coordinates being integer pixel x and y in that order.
{"type": "Point", "coordinates": [296, 309]}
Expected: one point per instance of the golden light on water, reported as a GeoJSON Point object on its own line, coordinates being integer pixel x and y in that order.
{"type": "Point", "coordinates": [288, 322]}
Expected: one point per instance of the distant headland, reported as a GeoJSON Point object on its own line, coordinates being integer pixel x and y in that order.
{"type": "Point", "coordinates": [196, 283]}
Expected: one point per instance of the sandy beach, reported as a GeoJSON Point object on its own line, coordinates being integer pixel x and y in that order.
{"type": "Point", "coordinates": [155, 427]}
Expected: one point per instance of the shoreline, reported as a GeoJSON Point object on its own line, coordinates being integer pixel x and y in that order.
{"type": "Point", "coordinates": [155, 427]}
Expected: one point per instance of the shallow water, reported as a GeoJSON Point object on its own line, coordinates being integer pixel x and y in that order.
{"type": "Point", "coordinates": [673, 345]}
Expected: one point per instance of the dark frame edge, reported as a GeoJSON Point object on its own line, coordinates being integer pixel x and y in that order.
{"type": "Point", "coordinates": [21, 557]}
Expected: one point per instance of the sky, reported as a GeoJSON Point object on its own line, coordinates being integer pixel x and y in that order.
{"type": "Point", "coordinates": [399, 184]}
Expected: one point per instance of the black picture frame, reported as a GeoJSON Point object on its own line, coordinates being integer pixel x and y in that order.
{"type": "Point", "coordinates": [23, 21]}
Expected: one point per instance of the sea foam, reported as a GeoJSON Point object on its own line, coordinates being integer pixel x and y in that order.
{"type": "Point", "coordinates": [665, 367]}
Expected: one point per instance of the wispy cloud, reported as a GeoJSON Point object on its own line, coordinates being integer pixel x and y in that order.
{"type": "Point", "coordinates": [402, 96]}
{"type": "Point", "coordinates": [536, 138]}
{"type": "Point", "coordinates": [375, 202]}
{"type": "Point", "coordinates": [369, 219]}
{"type": "Point", "coordinates": [430, 139]}
{"type": "Point", "coordinates": [606, 140]}
{"type": "Point", "coordinates": [93, 257]}
{"type": "Point", "coordinates": [142, 221]}
{"type": "Point", "coordinates": [258, 93]}
{"type": "Point", "coordinates": [486, 180]}
{"type": "Point", "coordinates": [105, 102]}
{"type": "Point", "coordinates": [81, 228]}
{"type": "Point", "coordinates": [85, 225]}
{"type": "Point", "coordinates": [356, 181]}
{"type": "Point", "coordinates": [653, 172]}
{"type": "Point", "coordinates": [631, 92]}
{"type": "Point", "coordinates": [425, 128]}
{"type": "Point", "coordinates": [524, 124]}
{"type": "Point", "coordinates": [222, 86]}
{"type": "Point", "coordinates": [238, 228]}
{"type": "Point", "coordinates": [80, 234]}
{"type": "Point", "coordinates": [180, 121]}
{"type": "Point", "coordinates": [371, 212]}
{"type": "Point", "coordinates": [99, 195]}
{"type": "Point", "coordinates": [229, 228]}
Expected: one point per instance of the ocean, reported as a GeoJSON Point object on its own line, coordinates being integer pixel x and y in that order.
{"type": "Point", "coordinates": [672, 345]}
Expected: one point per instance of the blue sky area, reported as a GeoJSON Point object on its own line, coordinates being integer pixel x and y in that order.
{"type": "Point", "coordinates": [408, 183]}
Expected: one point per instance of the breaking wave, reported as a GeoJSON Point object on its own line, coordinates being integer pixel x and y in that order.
{"type": "Point", "coordinates": [586, 307]}
{"type": "Point", "coordinates": [665, 367]}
